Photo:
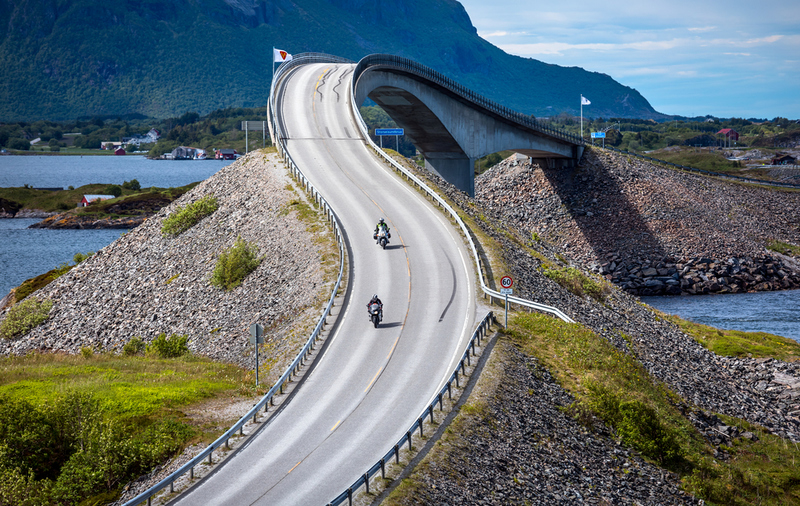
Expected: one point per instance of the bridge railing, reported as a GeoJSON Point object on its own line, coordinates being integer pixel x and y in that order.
{"type": "Point", "coordinates": [268, 399]}
{"type": "Point", "coordinates": [443, 204]}
{"type": "Point", "coordinates": [410, 66]}
{"type": "Point", "coordinates": [394, 452]}
{"type": "Point", "coordinates": [707, 172]}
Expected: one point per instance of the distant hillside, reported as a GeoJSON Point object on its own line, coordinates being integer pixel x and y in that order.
{"type": "Point", "coordinates": [64, 59]}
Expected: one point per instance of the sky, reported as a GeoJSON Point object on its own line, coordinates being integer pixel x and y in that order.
{"type": "Point", "coordinates": [725, 58]}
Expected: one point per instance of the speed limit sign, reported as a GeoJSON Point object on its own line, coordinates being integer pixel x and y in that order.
{"type": "Point", "coordinates": [506, 281]}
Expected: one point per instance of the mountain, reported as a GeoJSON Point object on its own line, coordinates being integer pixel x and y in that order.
{"type": "Point", "coordinates": [64, 59]}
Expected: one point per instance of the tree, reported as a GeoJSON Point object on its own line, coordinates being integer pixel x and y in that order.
{"type": "Point", "coordinates": [114, 190]}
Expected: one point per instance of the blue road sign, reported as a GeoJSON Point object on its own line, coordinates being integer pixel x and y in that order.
{"type": "Point", "coordinates": [598, 135]}
{"type": "Point", "coordinates": [388, 131]}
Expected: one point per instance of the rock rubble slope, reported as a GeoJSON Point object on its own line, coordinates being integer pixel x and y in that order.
{"type": "Point", "coordinates": [649, 229]}
{"type": "Point", "coordinates": [145, 283]}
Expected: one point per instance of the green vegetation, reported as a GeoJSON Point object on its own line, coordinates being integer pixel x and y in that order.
{"type": "Point", "coordinates": [130, 202]}
{"type": "Point", "coordinates": [577, 282]}
{"type": "Point", "coordinates": [24, 316]}
{"type": "Point", "coordinates": [735, 343]}
{"type": "Point", "coordinates": [219, 129]}
{"type": "Point", "coordinates": [489, 161]}
{"type": "Point", "coordinates": [166, 347]}
{"type": "Point", "coordinates": [185, 217]}
{"type": "Point", "coordinates": [645, 415]}
{"type": "Point", "coordinates": [784, 248]}
{"type": "Point", "coordinates": [234, 264]}
{"type": "Point", "coordinates": [703, 159]}
{"type": "Point", "coordinates": [79, 442]}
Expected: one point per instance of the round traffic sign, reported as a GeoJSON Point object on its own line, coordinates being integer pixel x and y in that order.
{"type": "Point", "coordinates": [506, 281]}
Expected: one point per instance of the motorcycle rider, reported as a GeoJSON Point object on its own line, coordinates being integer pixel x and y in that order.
{"type": "Point", "coordinates": [376, 300]}
{"type": "Point", "coordinates": [378, 227]}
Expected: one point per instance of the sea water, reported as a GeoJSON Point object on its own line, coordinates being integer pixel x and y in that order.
{"type": "Point", "coordinates": [26, 252]}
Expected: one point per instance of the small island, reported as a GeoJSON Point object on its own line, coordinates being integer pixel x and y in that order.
{"type": "Point", "coordinates": [90, 206]}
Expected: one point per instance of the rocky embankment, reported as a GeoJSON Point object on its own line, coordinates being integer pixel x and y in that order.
{"type": "Point", "coordinates": [144, 283]}
{"type": "Point", "coordinates": [765, 392]}
{"type": "Point", "coordinates": [651, 230]}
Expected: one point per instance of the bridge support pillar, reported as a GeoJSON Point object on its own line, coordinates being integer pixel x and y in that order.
{"type": "Point", "coordinates": [455, 168]}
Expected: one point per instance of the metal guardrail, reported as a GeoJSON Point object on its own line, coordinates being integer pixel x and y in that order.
{"type": "Point", "coordinates": [380, 465]}
{"type": "Point", "coordinates": [377, 61]}
{"type": "Point", "coordinates": [294, 368]}
{"type": "Point", "coordinates": [441, 202]}
{"type": "Point", "coordinates": [707, 172]}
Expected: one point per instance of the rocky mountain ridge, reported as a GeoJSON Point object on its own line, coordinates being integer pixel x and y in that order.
{"type": "Point", "coordinates": [162, 59]}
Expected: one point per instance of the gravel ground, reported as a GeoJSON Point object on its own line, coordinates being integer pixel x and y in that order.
{"type": "Point", "coordinates": [144, 283]}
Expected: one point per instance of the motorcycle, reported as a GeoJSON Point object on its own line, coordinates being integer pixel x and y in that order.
{"type": "Point", "coordinates": [375, 314]}
{"type": "Point", "coordinates": [382, 237]}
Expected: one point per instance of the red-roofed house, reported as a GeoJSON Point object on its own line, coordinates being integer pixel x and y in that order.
{"type": "Point", "coordinates": [730, 135]}
{"type": "Point", "coordinates": [88, 199]}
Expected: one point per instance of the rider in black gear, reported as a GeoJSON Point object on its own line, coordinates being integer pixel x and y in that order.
{"type": "Point", "coordinates": [381, 224]}
{"type": "Point", "coordinates": [376, 300]}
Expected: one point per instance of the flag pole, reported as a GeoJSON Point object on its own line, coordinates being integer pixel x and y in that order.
{"type": "Point", "coordinates": [581, 117]}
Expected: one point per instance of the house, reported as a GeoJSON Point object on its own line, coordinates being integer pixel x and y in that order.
{"type": "Point", "coordinates": [784, 160]}
{"type": "Point", "coordinates": [149, 138]}
{"type": "Point", "coordinates": [88, 199]}
{"type": "Point", "coordinates": [120, 151]}
{"type": "Point", "coordinates": [110, 145]}
{"type": "Point", "coordinates": [225, 154]}
{"type": "Point", "coordinates": [729, 134]}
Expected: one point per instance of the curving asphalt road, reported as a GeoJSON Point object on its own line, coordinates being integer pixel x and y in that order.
{"type": "Point", "coordinates": [370, 384]}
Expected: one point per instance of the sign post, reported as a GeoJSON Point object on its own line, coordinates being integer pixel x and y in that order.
{"type": "Point", "coordinates": [397, 132]}
{"type": "Point", "coordinates": [506, 282]}
{"type": "Point", "coordinates": [256, 338]}
{"type": "Point", "coordinates": [599, 135]}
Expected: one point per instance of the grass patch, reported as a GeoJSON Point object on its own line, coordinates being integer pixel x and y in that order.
{"type": "Point", "coordinates": [615, 387]}
{"type": "Point", "coordinates": [577, 282]}
{"type": "Point", "coordinates": [185, 217]}
{"type": "Point", "coordinates": [24, 316]}
{"type": "Point", "coordinates": [66, 442]}
{"type": "Point", "coordinates": [736, 343]}
{"type": "Point", "coordinates": [784, 248]}
{"type": "Point", "coordinates": [710, 160]}
{"type": "Point", "coordinates": [234, 264]}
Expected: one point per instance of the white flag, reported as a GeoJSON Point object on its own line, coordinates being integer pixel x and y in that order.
{"type": "Point", "coordinates": [584, 100]}
{"type": "Point", "coordinates": [281, 55]}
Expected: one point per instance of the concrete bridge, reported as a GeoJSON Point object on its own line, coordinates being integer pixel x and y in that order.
{"type": "Point", "coordinates": [453, 126]}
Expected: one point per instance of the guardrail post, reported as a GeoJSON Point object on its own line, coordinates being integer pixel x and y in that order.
{"type": "Point", "coordinates": [396, 454]}
{"type": "Point", "coordinates": [421, 423]}
{"type": "Point", "coordinates": [191, 473]}
{"type": "Point", "coordinates": [366, 481]}
{"type": "Point", "coordinates": [441, 404]}
{"type": "Point", "coordinates": [209, 457]}
{"type": "Point", "coordinates": [408, 435]}
{"type": "Point", "coordinates": [383, 469]}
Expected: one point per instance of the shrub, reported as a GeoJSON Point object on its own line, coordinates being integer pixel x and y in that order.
{"type": "Point", "coordinates": [24, 316]}
{"type": "Point", "coordinates": [576, 282]}
{"type": "Point", "coordinates": [87, 352]}
{"type": "Point", "coordinates": [169, 347]}
{"type": "Point", "coordinates": [113, 189]}
{"type": "Point", "coordinates": [637, 424]}
{"type": "Point", "coordinates": [186, 217]}
{"type": "Point", "coordinates": [234, 264]}
{"type": "Point", "coordinates": [80, 257]}
{"type": "Point", "coordinates": [133, 184]}
{"type": "Point", "coordinates": [60, 271]}
{"type": "Point", "coordinates": [135, 346]}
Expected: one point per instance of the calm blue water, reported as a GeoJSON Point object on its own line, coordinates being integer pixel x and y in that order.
{"type": "Point", "coordinates": [773, 312]}
{"type": "Point", "coordinates": [26, 253]}
{"type": "Point", "coordinates": [64, 171]}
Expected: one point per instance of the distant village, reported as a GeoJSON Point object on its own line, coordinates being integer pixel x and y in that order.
{"type": "Point", "coordinates": [179, 153]}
